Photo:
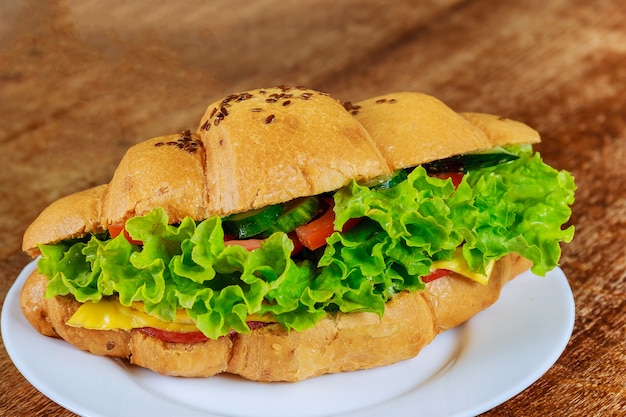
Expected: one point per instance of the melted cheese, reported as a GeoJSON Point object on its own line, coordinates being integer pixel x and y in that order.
{"type": "Point", "coordinates": [109, 314]}
{"type": "Point", "coordinates": [459, 265]}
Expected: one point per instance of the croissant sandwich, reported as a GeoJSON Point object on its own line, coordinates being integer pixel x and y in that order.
{"type": "Point", "coordinates": [292, 235]}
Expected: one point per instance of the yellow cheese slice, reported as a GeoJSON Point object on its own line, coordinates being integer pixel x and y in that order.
{"type": "Point", "coordinates": [459, 265]}
{"type": "Point", "coordinates": [108, 314]}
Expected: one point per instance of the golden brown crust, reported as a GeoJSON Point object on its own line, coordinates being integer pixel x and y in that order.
{"type": "Point", "coordinates": [338, 343]}
{"type": "Point", "coordinates": [414, 128]}
{"type": "Point", "coordinates": [180, 359]}
{"type": "Point", "coordinates": [305, 143]}
{"type": "Point", "coordinates": [70, 217]}
{"type": "Point", "coordinates": [33, 304]}
{"type": "Point", "coordinates": [166, 172]}
{"type": "Point", "coordinates": [503, 131]}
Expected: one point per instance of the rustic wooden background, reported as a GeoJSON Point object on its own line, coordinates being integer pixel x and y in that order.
{"type": "Point", "coordinates": [80, 81]}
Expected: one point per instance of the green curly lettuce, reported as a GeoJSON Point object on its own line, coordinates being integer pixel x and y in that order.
{"type": "Point", "coordinates": [515, 207]}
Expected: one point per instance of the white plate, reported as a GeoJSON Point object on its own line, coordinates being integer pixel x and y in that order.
{"type": "Point", "coordinates": [464, 372]}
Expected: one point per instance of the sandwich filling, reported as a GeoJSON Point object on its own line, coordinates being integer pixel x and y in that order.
{"type": "Point", "coordinates": [386, 237]}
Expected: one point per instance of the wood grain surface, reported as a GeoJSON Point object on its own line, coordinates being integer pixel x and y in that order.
{"type": "Point", "coordinates": [81, 81]}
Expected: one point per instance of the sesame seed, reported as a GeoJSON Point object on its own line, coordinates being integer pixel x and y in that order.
{"type": "Point", "coordinates": [269, 119]}
{"type": "Point", "coordinates": [256, 109]}
{"type": "Point", "coordinates": [244, 96]}
{"type": "Point", "coordinates": [213, 112]}
{"type": "Point", "coordinates": [286, 102]}
{"type": "Point", "coordinates": [380, 101]}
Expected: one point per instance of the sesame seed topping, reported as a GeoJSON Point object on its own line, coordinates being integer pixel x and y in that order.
{"type": "Point", "coordinates": [244, 96]}
{"type": "Point", "coordinates": [187, 141]}
{"type": "Point", "coordinates": [269, 119]}
{"type": "Point", "coordinates": [380, 101]}
{"type": "Point", "coordinates": [286, 102]}
{"type": "Point", "coordinates": [256, 109]}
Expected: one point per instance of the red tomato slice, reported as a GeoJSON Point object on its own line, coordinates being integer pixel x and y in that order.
{"type": "Point", "coordinates": [174, 337]}
{"type": "Point", "coordinates": [116, 229]}
{"type": "Point", "coordinates": [249, 244]}
{"type": "Point", "coordinates": [313, 235]}
{"type": "Point", "coordinates": [456, 177]}
{"type": "Point", "coordinates": [437, 273]}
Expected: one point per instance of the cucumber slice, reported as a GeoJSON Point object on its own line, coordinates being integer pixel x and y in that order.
{"type": "Point", "coordinates": [253, 222]}
{"type": "Point", "coordinates": [468, 162]}
{"type": "Point", "coordinates": [297, 212]}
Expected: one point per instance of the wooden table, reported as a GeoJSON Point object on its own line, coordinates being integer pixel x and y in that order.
{"type": "Point", "coordinates": [80, 81]}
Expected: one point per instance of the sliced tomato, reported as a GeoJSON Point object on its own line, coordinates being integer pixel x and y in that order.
{"type": "Point", "coordinates": [174, 337]}
{"type": "Point", "coordinates": [116, 229]}
{"type": "Point", "coordinates": [436, 274]}
{"type": "Point", "coordinates": [249, 244]}
{"type": "Point", "coordinates": [313, 235]}
{"type": "Point", "coordinates": [456, 177]}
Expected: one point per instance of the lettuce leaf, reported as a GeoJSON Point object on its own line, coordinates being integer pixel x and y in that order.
{"type": "Point", "coordinates": [520, 206]}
